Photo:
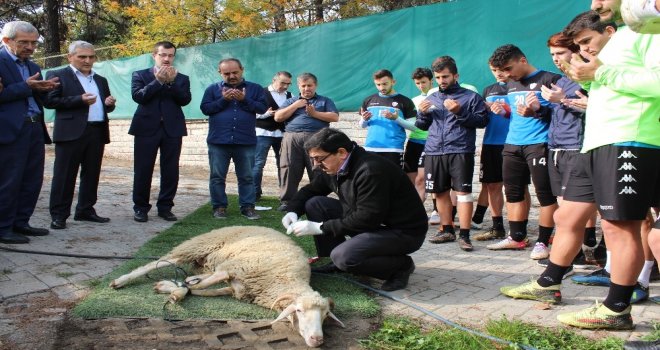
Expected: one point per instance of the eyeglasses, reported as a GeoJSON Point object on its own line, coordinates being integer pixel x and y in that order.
{"type": "Point", "coordinates": [163, 55]}
{"type": "Point", "coordinates": [26, 43]}
{"type": "Point", "coordinates": [320, 159]}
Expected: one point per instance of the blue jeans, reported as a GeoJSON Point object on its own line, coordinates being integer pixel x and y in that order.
{"type": "Point", "coordinates": [264, 143]}
{"type": "Point", "coordinates": [219, 158]}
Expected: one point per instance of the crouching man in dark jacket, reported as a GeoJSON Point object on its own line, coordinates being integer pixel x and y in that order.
{"type": "Point", "coordinates": [378, 208]}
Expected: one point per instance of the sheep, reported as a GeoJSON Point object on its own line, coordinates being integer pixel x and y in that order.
{"type": "Point", "coordinates": [262, 266]}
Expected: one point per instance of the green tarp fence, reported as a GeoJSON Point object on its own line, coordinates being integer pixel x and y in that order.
{"type": "Point", "coordinates": [344, 54]}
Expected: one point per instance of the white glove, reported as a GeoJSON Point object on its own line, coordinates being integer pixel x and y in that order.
{"type": "Point", "coordinates": [305, 228]}
{"type": "Point", "coordinates": [289, 219]}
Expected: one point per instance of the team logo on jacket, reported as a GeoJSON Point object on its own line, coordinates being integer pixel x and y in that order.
{"type": "Point", "coordinates": [627, 166]}
{"type": "Point", "coordinates": [628, 190]}
{"type": "Point", "coordinates": [395, 104]}
{"type": "Point", "coordinates": [532, 86]}
{"type": "Point", "coordinates": [627, 178]}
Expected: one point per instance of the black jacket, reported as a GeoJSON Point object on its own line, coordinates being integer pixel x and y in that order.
{"type": "Point", "coordinates": [374, 193]}
{"type": "Point", "coordinates": [270, 123]}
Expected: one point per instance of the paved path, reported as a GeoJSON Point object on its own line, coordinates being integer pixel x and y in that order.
{"type": "Point", "coordinates": [460, 286]}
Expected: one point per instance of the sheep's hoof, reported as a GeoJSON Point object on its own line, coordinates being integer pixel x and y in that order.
{"type": "Point", "coordinates": [178, 294]}
{"type": "Point", "coordinates": [115, 285]}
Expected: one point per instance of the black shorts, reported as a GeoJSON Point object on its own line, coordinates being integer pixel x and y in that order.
{"type": "Point", "coordinates": [623, 181]}
{"type": "Point", "coordinates": [490, 167]}
{"type": "Point", "coordinates": [559, 169]}
{"type": "Point", "coordinates": [518, 163]}
{"type": "Point", "coordinates": [447, 171]}
{"type": "Point", "coordinates": [394, 157]}
{"type": "Point", "coordinates": [411, 156]}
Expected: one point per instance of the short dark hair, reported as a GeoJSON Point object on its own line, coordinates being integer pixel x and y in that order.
{"type": "Point", "coordinates": [562, 40]}
{"type": "Point", "coordinates": [444, 62]}
{"type": "Point", "coordinates": [284, 73]}
{"type": "Point", "coordinates": [503, 54]}
{"type": "Point", "coordinates": [165, 45]}
{"type": "Point", "coordinates": [227, 60]}
{"type": "Point", "coordinates": [308, 76]}
{"type": "Point", "coordinates": [329, 140]}
{"type": "Point", "coordinates": [382, 73]}
{"type": "Point", "coordinates": [588, 20]}
{"type": "Point", "coordinates": [422, 72]}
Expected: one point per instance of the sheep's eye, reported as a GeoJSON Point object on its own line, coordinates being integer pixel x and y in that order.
{"type": "Point", "coordinates": [299, 310]}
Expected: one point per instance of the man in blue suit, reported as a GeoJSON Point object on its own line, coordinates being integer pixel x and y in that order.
{"type": "Point", "coordinates": [81, 131]}
{"type": "Point", "coordinates": [158, 123]}
{"type": "Point", "coordinates": [22, 132]}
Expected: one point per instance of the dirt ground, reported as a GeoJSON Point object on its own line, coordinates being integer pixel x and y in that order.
{"type": "Point", "coordinates": [43, 320]}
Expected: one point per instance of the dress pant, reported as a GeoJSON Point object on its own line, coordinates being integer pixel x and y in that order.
{"type": "Point", "coordinates": [294, 160]}
{"type": "Point", "coordinates": [145, 150]}
{"type": "Point", "coordinates": [377, 253]}
{"type": "Point", "coordinates": [21, 176]}
{"type": "Point", "coordinates": [85, 153]}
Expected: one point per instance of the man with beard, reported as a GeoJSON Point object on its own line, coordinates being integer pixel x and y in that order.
{"type": "Point", "coordinates": [451, 115]}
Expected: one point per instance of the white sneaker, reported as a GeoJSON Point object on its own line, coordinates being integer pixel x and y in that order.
{"type": "Point", "coordinates": [434, 219]}
{"type": "Point", "coordinates": [508, 243]}
{"type": "Point", "coordinates": [540, 251]}
{"type": "Point", "coordinates": [641, 16]}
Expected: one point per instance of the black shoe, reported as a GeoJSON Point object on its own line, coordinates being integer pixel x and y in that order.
{"type": "Point", "coordinates": [58, 224]}
{"type": "Point", "coordinates": [90, 217]}
{"type": "Point", "coordinates": [249, 213]}
{"type": "Point", "coordinates": [31, 231]}
{"type": "Point", "coordinates": [327, 268]}
{"type": "Point", "coordinates": [167, 215]}
{"type": "Point", "coordinates": [13, 238]}
{"type": "Point", "coordinates": [399, 279]}
{"type": "Point", "coordinates": [283, 207]}
{"type": "Point", "coordinates": [141, 216]}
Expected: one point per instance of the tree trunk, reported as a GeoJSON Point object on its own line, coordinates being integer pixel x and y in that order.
{"type": "Point", "coordinates": [318, 11]}
{"type": "Point", "coordinates": [51, 33]}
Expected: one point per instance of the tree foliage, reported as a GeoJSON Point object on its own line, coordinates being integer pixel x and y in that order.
{"type": "Point", "coordinates": [128, 27]}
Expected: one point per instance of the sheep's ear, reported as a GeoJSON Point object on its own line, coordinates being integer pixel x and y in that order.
{"type": "Point", "coordinates": [285, 313]}
{"type": "Point", "coordinates": [331, 303]}
{"type": "Point", "coordinates": [332, 316]}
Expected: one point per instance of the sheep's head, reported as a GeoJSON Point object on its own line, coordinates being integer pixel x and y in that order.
{"type": "Point", "coordinates": [307, 312]}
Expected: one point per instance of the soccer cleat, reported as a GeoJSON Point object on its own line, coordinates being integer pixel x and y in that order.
{"type": "Point", "coordinates": [434, 219]}
{"type": "Point", "coordinates": [641, 16]}
{"type": "Point", "coordinates": [533, 291]}
{"type": "Point", "coordinates": [540, 251]}
{"type": "Point", "coordinates": [598, 317]}
{"type": "Point", "coordinates": [596, 278]}
{"type": "Point", "coordinates": [465, 244]}
{"type": "Point", "coordinates": [442, 237]}
{"type": "Point", "coordinates": [491, 234]}
{"type": "Point", "coordinates": [508, 243]}
{"type": "Point", "coordinates": [640, 294]}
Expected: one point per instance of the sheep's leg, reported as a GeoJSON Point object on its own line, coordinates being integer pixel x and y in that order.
{"type": "Point", "coordinates": [210, 280]}
{"type": "Point", "coordinates": [141, 271]}
{"type": "Point", "coordinates": [197, 278]}
{"type": "Point", "coordinates": [212, 292]}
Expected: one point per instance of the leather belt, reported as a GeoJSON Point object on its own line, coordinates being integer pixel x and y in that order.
{"type": "Point", "coordinates": [95, 123]}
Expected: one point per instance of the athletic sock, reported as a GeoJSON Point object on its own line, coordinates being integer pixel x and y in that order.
{"type": "Point", "coordinates": [602, 242]}
{"type": "Point", "coordinates": [645, 276]}
{"type": "Point", "coordinates": [618, 297]}
{"type": "Point", "coordinates": [448, 228]}
{"type": "Point", "coordinates": [498, 222]}
{"type": "Point", "coordinates": [552, 275]}
{"type": "Point", "coordinates": [435, 205]}
{"type": "Point", "coordinates": [518, 230]}
{"type": "Point", "coordinates": [464, 233]}
{"type": "Point", "coordinates": [454, 210]}
{"type": "Point", "coordinates": [479, 213]}
{"type": "Point", "coordinates": [544, 234]}
{"type": "Point", "coordinates": [590, 237]}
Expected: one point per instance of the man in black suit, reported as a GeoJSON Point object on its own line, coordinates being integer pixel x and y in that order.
{"type": "Point", "coordinates": [22, 132]}
{"type": "Point", "coordinates": [82, 103]}
{"type": "Point", "coordinates": [158, 122]}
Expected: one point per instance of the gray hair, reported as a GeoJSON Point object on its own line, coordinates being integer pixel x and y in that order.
{"type": "Point", "coordinates": [12, 28]}
{"type": "Point", "coordinates": [79, 44]}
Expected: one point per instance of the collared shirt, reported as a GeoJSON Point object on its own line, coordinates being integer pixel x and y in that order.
{"type": "Point", "coordinates": [279, 98]}
{"type": "Point", "coordinates": [300, 121]}
{"type": "Point", "coordinates": [89, 85]}
{"type": "Point", "coordinates": [33, 107]}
